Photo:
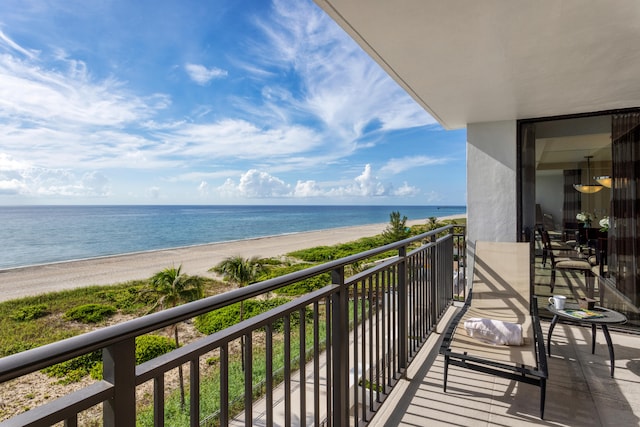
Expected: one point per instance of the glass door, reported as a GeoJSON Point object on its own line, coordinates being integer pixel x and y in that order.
{"type": "Point", "coordinates": [569, 193]}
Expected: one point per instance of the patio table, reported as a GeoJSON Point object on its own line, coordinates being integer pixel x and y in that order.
{"type": "Point", "coordinates": [609, 317]}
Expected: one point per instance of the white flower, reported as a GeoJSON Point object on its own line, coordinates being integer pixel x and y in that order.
{"type": "Point", "coordinates": [604, 223]}
{"type": "Point", "coordinates": [584, 217]}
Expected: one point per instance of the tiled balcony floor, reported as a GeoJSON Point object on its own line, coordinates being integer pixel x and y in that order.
{"type": "Point", "coordinates": [580, 390]}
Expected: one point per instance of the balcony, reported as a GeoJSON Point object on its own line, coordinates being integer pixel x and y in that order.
{"type": "Point", "coordinates": [369, 356]}
{"type": "Point", "coordinates": [580, 390]}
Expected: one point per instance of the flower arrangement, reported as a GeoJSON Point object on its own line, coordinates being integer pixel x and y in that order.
{"type": "Point", "coordinates": [604, 224]}
{"type": "Point", "coordinates": [585, 218]}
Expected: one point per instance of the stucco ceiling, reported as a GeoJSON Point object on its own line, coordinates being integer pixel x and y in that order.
{"type": "Point", "coordinates": [471, 61]}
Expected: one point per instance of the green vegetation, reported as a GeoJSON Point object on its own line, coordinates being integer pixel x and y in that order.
{"type": "Point", "coordinates": [30, 312]}
{"type": "Point", "coordinates": [173, 288]}
{"type": "Point", "coordinates": [19, 333]}
{"type": "Point", "coordinates": [210, 384]}
{"type": "Point", "coordinates": [90, 313]}
{"type": "Point", "coordinates": [397, 228]}
{"type": "Point", "coordinates": [34, 321]}
{"type": "Point", "coordinates": [151, 346]}
{"type": "Point", "coordinates": [147, 347]}
{"type": "Point", "coordinates": [73, 370]}
{"type": "Point", "coordinates": [220, 319]}
{"type": "Point", "coordinates": [320, 254]}
{"type": "Point", "coordinates": [240, 271]}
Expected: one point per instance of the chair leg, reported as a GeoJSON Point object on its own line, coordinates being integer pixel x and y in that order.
{"type": "Point", "coordinates": [543, 392]}
{"type": "Point", "coordinates": [552, 282]}
{"type": "Point", "coordinates": [446, 371]}
{"type": "Point", "coordinates": [589, 281]}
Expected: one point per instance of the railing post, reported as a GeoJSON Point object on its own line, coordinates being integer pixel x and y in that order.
{"type": "Point", "coordinates": [433, 282]}
{"type": "Point", "coordinates": [119, 368]}
{"type": "Point", "coordinates": [403, 312]}
{"type": "Point", "coordinates": [340, 342]}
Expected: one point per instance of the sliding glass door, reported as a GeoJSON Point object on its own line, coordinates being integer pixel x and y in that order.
{"type": "Point", "coordinates": [578, 183]}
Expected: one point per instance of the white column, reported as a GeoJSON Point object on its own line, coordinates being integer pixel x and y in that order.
{"type": "Point", "coordinates": [491, 184]}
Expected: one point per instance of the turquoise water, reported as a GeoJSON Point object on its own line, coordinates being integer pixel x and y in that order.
{"type": "Point", "coordinates": [43, 234]}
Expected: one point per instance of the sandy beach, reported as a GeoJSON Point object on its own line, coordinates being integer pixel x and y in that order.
{"type": "Point", "coordinates": [195, 260]}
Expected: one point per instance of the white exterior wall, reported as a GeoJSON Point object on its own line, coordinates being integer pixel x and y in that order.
{"type": "Point", "coordinates": [491, 184]}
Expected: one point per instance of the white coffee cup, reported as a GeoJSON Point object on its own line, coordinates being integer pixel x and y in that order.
{"type": "Point", "coordinates": [558, 301]}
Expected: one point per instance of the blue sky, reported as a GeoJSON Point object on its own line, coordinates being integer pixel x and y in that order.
{"type": "Point", "coordinates": [208, 102]}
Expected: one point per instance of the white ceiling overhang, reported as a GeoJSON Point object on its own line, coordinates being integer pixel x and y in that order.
{"type": "Point", "coordinates": [471, 61]}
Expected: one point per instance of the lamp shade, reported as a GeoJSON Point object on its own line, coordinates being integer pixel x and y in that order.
{"type": "Point", "coordinates": [588, 189]}
{"type": "Point", "coordinates": [604, 180]}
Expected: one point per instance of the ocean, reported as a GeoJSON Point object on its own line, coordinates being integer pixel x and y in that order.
{"type": "Point", "coordinates": [31, 235]}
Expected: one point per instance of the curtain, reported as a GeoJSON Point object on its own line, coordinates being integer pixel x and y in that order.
{"type": "Point", "coordinates": [624, 238]}
{"type": "Point", "coordinates": [572, 204]}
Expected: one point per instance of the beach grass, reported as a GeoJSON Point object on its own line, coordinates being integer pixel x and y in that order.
{"type": "Point", "coordinates": [38, 320]}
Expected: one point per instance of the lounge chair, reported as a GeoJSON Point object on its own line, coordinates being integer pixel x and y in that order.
{"type": "Point", "coordinates": [500, 291]}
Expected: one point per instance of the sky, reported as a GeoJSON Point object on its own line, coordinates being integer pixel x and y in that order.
{"type": "Point", "coordinates": [208, 102]}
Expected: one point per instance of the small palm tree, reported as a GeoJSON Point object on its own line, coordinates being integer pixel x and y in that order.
{"type": "Point", "coordinates": [172, 289]}
{"type": "Point", "coordinates": [397, 228]}
{"type": "Point", "coordinates": [242, 272]}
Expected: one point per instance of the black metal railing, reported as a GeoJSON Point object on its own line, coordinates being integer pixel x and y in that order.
{"type": "Point", "coordinates": [330, 357]}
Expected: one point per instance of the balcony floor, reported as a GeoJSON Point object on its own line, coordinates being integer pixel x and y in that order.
{"type": "Point", "coordinates": [580, 390]}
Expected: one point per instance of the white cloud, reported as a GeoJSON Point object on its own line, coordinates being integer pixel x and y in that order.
{"type": "Point", "coordinates": [11, 186]}
{"type": "Point", "coordinates": [64, 100]}
{"type": "Point", "coordinates": [18, 177]}
{"type": "Point", "coordinates": [308, 189]}
{"type": "Point", "coordinates": [260, 184]}
{"type": "Point", "coordinates": [9, 44]}
{"type": "Point", "coordinates": [7, 163]}
{"type": "Point", "coordinates": [406, 190]}
{"type": "Point", "coordinates": [203, 75]}
{"type": "Point", "coordinates": [341, 85]}
{"type": "Point", "coordinates": [203, 188]}
{"type": "Point", "coordinates": [153, 192]}
{"type": "Point", "coordinates": [58, 116]}
{"type": "Point", "coordinates": [240, 139]}
{"type": "Point", "coordinates": [95, 183]}
{"type": "Point", "coordinates": [255, 184]}
{"type": "Point", "coordinates": [434, 197]}
{"type": "Point", "coordinates": [368, 185]}
{"type": "Point", "coordinates": [395, 166]}
{"type": "Point", "coordinates": [313, 100]}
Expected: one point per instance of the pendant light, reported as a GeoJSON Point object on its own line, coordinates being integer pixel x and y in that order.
{"type": "Point", "coordinates": [604, 180]}
{"type": "Point", "coordinates": [588, 188]}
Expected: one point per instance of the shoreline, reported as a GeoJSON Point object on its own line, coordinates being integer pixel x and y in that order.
{"type": "Point", "coordinates": [18, 282]}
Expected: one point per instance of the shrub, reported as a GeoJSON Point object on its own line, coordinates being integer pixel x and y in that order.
{"type": "Point", "coordinates": [225, 317]}
{"type": "Point", "coordinates": [90, 313]}
{"type": "Point", "coordinates": [73, 370]}
{"type": "Point", "coordinates": [128, 299]}
{"type": "Point", "coordinates": [328, 253]}
{"type": "Point", "coordinates": [151, 346]}
{"type": "Point", "coordinates": [305, 286]}
{"type": "Point", "coordinates": [147, 347]}
{"type": "Point", "coordinates": [30, 312]}
{"type": "Point", "coordinates": [218, 320]}
{"type": "Point", "coordinates": [317, 254]}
